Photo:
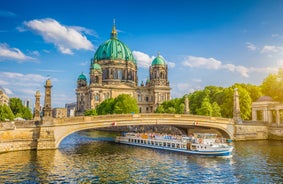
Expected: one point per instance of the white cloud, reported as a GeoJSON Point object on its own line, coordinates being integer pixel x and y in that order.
{"type": "Point", "coordinates": [143, 60]}
{"type": "Point", "coordinates": [271, 49]}
{"type": "Point", "coordinates": [84, 30]}
{"type": "Point", "coordinates": [201, 62]}
{"type": "Point", "coordinates": [8, 53]}
{"type": "Point", "coordinates": [3, 82]}
{"type": "Point", "coordinates": [183, 86]}
{"type": "Point", "coordinates": [50, 70]}
{"type": "Point", "coordinates": [213, 64]}
{"type": "Point", "coordinates": [84, 63]}
{"type": "Point", "coordinates": [171, 64]}
{"type": "Point", "coordinates": [22, 85]}
{"type": "Point", "coordinates": [22, 77]}
{"type": "Point", "coordinates": [65, 38]}
{"type": "Point", "coordinates": [251, 46]}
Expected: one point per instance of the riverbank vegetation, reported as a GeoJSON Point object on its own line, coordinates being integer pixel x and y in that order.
{"type": "Point", "coordinates": [218, 101]}
{"type": "Point", "coordinates": [16, 109]}
{"type": "Point", "coordinates": [122, 104]}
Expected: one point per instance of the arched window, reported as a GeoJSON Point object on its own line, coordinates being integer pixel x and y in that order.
{"type": "Point", "coordinates": [161, 75]}
{"type": "Point", "coordinates": [130, 75]}
{"type": "Point", "coordinates": [104, 74]}
{"type": "Point", "coordinates": [115, 75]}
{"type": "Point", "coordinates": [120, 74]}
{"type": "Point", "coordinates": [97, 97]}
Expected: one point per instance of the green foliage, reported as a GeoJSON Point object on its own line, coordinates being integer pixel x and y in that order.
{"type": "Point", "coordinates": [19, 109]}
{"type": "Point", "coordinates": [272, 86]}
{"type": "Point", "coordinates": [90, 112]}
{"type": "Point", "coordinates": [122, 104]}
{"type": "Point", "coordinates": [106, 107]}
{"type": "Point", "coordinates": [206, 108]}
{"type": "Point", "coordinates": [6, 113]}
{"type": "Point", "coordinates": [216, 110]}
{"type": "Point", "coordinates": [175, 106]}
{"type": "Point", "coordinates": [219, 101]}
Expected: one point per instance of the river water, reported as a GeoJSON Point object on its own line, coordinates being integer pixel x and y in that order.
{"type": "Point", "coordinates": [91, 157]}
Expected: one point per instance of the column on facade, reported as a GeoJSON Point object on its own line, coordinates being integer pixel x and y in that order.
{"type": "Point", "coordinates": [277, 116]}
{"type": "Point", "coordinates": [266, 115]}
{"type": "Point", "coordinates": [254, 115]}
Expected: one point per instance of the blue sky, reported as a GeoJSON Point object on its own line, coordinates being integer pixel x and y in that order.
{"type": "Point", "coordinates": [212, 42]}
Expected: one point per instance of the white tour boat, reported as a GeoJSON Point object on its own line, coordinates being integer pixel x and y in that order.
{"type": "Point", "coordinates": [199, 143]}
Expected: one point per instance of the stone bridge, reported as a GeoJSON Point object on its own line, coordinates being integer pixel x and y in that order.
{"type": "Point", "coordinates": [49, 133]}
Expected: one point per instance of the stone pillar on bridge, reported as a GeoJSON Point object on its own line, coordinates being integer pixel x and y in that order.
{"type": "Point", "coordinates": [236, 110]}
{"type": "Point", "coordinates": [47, 109]}
{"type": "Point", "coordinates": [187, 106]}
{"type": "Point", "coordinates": [46, 138]}
{"type": "Point", "coordinates": [36, 113]}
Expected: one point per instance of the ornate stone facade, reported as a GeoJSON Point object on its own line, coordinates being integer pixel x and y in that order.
{"type": "Point", "coordinates": [267, 110]}
{"type": "Point", "coordinates": [59, 112]}
{"type": "Point", "coordinates": [113, 71]}
{"type": "Point", "coordinates": [4, 99]}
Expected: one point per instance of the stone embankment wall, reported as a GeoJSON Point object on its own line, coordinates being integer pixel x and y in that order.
{"type": "Point", "coordinates": [257, 131]}
{"type": "Point", "coordinates": [275, 132]}
{"type": "Point", "coordinates": [14, 137]}
{"type": "Point", "coordinates": [250, 132]}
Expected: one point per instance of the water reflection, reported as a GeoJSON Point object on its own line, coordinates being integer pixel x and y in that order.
{"type": "Point", "coordinates": [84, 158]}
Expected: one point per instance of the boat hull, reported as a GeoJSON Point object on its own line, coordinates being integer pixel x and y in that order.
{"type": "Point", "coordinates": [215, 153]}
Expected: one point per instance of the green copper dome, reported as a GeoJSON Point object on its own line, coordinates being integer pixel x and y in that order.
{"type": "Point", "coordinates": [114, 49]}
{"type": "Point", "coordinates": [158, 61]}
{"type": "Point", "coordinates": [96, 66]}
{"type": "Point", "coordinates": [82, 77]}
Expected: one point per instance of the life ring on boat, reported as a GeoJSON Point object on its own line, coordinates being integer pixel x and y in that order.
{"type": "Point", "coordinates": [200, 140]}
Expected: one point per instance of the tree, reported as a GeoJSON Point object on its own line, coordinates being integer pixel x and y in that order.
{"type": "Point", "coordinates": [106, 107]}
{"type": "Point", "coordinates": [90, 112]}
{"type": "Point", "coordinates": [176, 106]}
{"type": "Point", "coordinates": [245, 103]}
{"type": "Point", "coordinates": [253, 90]}
{"type": "Point", "coordinates": [6, 113]}
{"type": "Point", "coordinates": [216, 110]}
{"type": "Point", "coordinates": [272, 86]}
{"type": "Point", "coordinates": [124, 104]}
{"type": "Point", "coordinates": [206, 108]}
{"type": "Point", "coordinates": [19, 109]}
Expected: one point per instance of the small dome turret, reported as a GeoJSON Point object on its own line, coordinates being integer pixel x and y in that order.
{"type": "Point", "coordinates": [82, 77]}
{"type": "Point", "coordinates": [96, 66]}
{"type": "Point", "coordinates": [158, 61]}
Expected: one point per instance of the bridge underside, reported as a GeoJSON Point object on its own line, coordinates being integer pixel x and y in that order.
{"type": "Point", "coordinates": [189, 129]}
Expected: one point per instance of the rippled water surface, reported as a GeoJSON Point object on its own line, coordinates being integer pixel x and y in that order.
{"type": "Point", "coordinates": [91, 157]}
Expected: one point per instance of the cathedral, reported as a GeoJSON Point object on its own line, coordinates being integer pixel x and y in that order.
{"type": "Point", "coordinates": [113, 71]}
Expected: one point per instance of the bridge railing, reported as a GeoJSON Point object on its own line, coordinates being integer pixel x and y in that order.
{"type": "Point", "coordinates": [11, 125]}
{"type": "Point", "coordinates": [117, 117]}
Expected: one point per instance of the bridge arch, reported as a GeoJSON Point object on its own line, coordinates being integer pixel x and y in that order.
{"type": "Point", "coordinates": [66, 126]}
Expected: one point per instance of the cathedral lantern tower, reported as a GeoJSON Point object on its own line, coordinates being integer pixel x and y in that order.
{"type": "Point", "coordinates": [47, 110]}
{"type": "Point", "coordinates": [158, 72]}
{"type": "Point", "coordinates": [81, 93]}
{"type": "Point", "coordinates": [159, 83]}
